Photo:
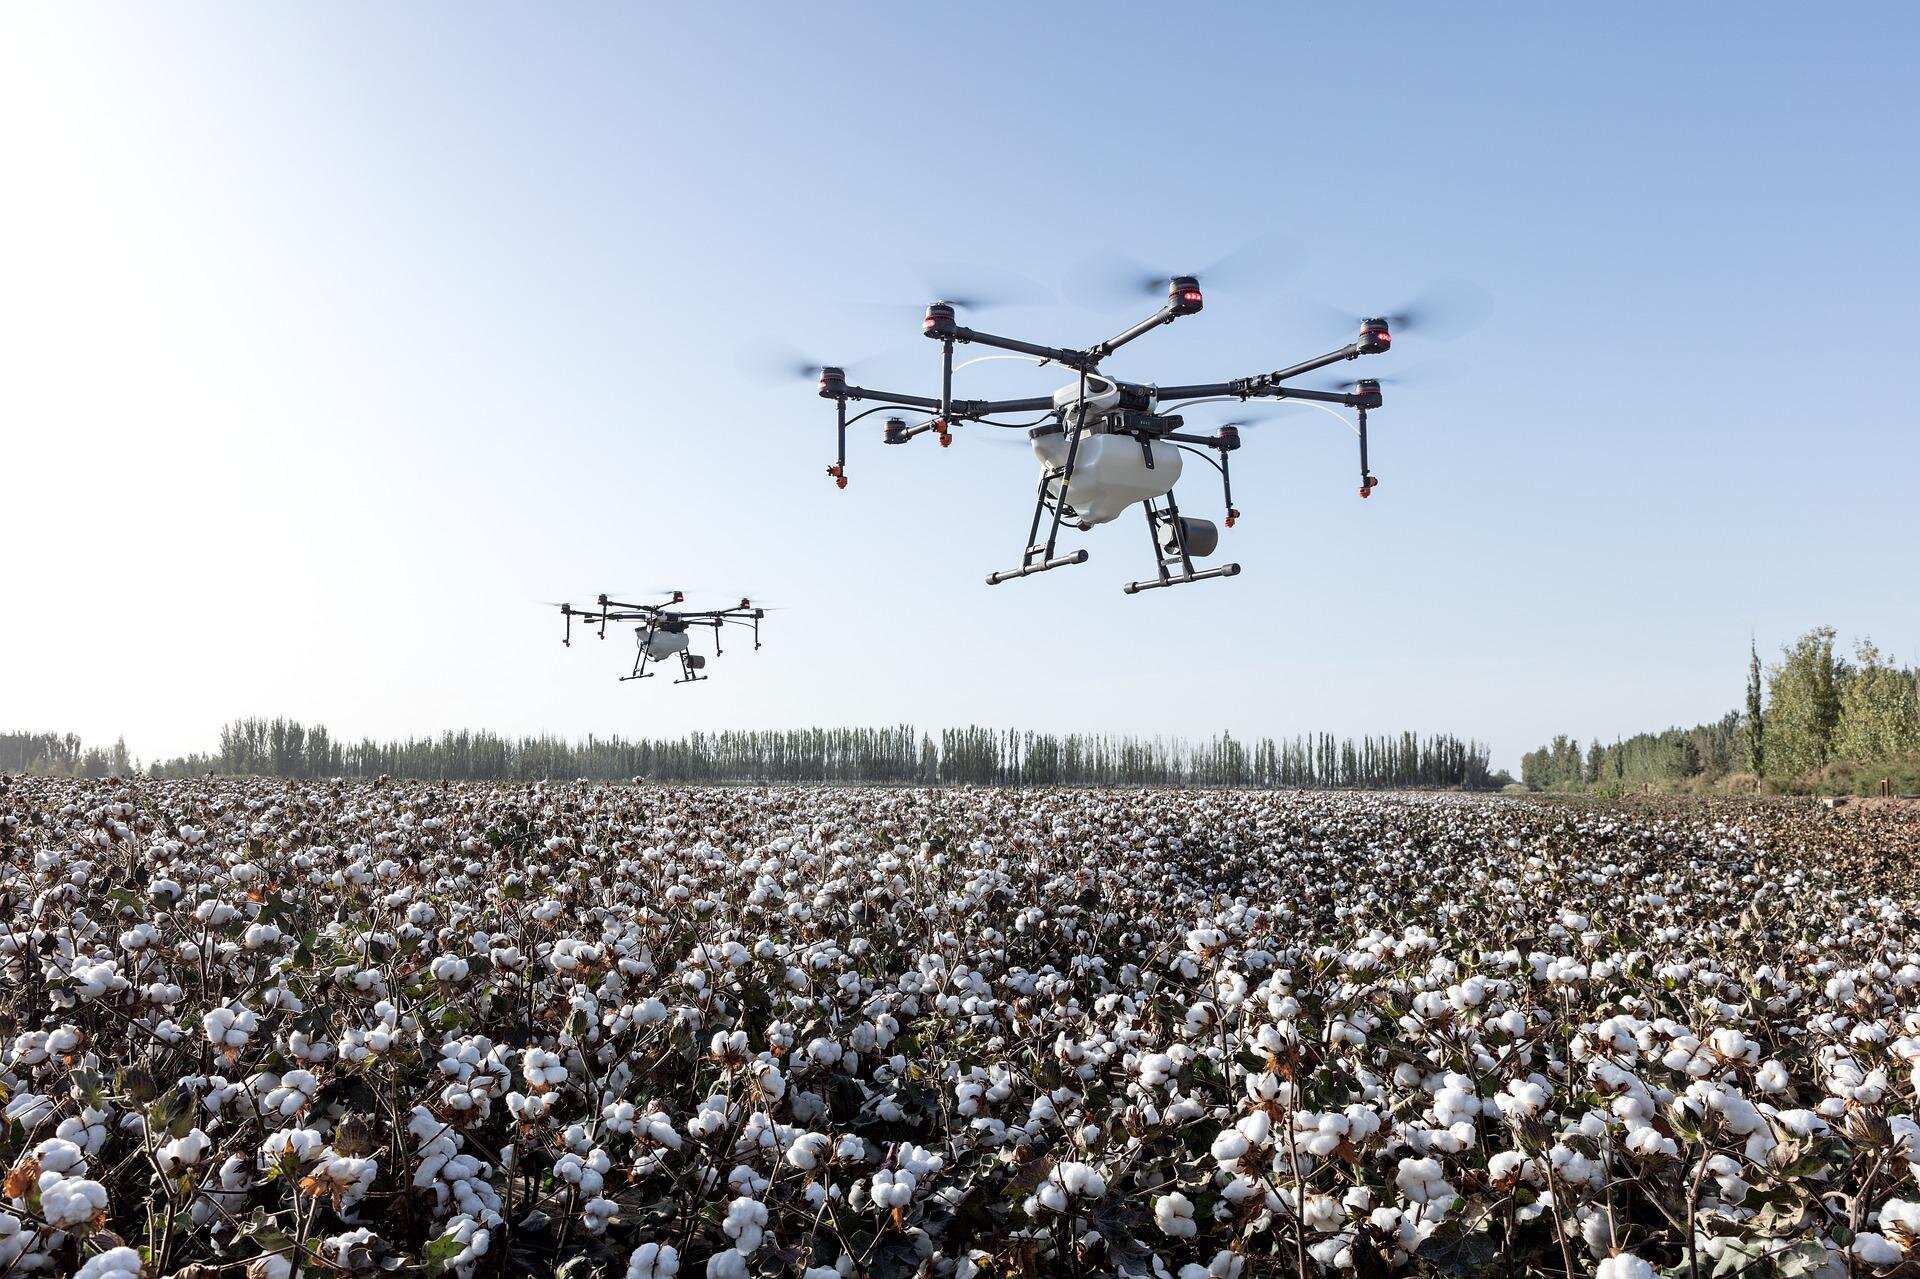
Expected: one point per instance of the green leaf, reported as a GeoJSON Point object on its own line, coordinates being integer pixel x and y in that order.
{"type": "Point", "coordinates": [441, 1251]}
{"type": "Point", "coordinates": [1801, 1259]}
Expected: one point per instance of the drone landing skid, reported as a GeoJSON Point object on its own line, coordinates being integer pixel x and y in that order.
{"type": "Point", "coordinates": [1171, 554]}
{"type": "Point", "coordinates": [1032, 566]}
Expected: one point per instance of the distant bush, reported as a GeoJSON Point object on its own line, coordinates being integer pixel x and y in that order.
{"type": "Point", "coordinates": [1863, 777]}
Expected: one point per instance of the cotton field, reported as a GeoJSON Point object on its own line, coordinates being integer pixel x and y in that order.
{"type": "Point", "coordinates": [263, 1028]}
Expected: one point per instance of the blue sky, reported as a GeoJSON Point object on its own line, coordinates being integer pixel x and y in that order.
{"type": "Point", "coordinates": [332, 338]}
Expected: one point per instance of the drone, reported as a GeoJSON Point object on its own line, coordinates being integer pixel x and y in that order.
{"type": "Point", "coordinates": [664, 631]}
{"type": "Point", "coordinates": [1105, 444]}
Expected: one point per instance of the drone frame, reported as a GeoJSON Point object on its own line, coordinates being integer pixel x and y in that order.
{"type": "Point", "coordinates": [663, 618]}
{"type": "Point", "coordinates": [1137, 407]}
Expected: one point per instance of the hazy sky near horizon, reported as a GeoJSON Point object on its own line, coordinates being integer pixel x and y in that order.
{"type": "Point", "coordinates": [332, 338]}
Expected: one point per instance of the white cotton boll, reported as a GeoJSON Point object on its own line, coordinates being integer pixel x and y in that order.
{"type": "Point", "coordinates": [1156, 1069]}
{"type": "Point", "coordinates": [70, 1201]}
{"type": "Point", "coordinates": [114, 1263]}
{"type": "Point", "coordinates": [1525, 1097]}
{"type": "Point", "coordinates": [654, 1261]}
{"type": "Point", "coordinates": [1901, 1219]}
{"type": "Point", "coordinates": [1507, 1167]}
{"type": "Point", "coordinates": [1229, 1147]}
{"type": "Point", "coordinates": [727, 1265]}
{"type": "Point", "coordinates": [297, 1145]}
{"type": "Point", "coordinates": [1333, 1253]}
{"type": "Point", "coordinates": [1225, 1265]}
{"type": "Point", "coordinates": [745, 1224]}
{"type": "Point", "coordinates": [229, 1028]}
{"type": "Point", "coordinates": [1050, 1195]}
{"type": "Point", "coordinates": [1241, 1189]}
{"type": "Point", "coordinates": [808, 1151]}
{"type": "Point", "coordinates": [1624, 1266]}
{"type": "Point", "coordinates": [1470, 993]}
{"type": "Point", "coordinates": [544, 1070]}
{"type": "Point", "coordinates": [1572, 1166]}
{"type": "Point", "coordinates": [1422, 1181]}
{"type": "Point", "coordinates": [57, 1154]}
{"type": "Point", "coordinates": [1455, 1105]}
{"type": "Point", "coordinates": [1081, 1179]}
{"type": "Point", "coordinates": [1802, 1123]}
{"type": "Point", "coordinates": [1323, 1213]}
{"type": "Point", "coordinates": [1255, 1127]}
{"type": "Point", "coordinates": [1173, 1213]}
{"type": "Point", "coordinates": [183, 1152]}
{"type": "Point", "coordinates": [1875, 1250]}
{"type": "Point", "coordinates": [92, 981]}
{"type": "Point", "coordinates": [768, 1079]}
{"type": "Point", "coordinates": [596, 1213]}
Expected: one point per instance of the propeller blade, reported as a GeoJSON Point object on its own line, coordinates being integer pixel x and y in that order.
{"type": "Point", "coordinates": [773, 361]}
{"type": "Point", "coordinates": [1255, 266]}
{"type": "Point", "coordinates": [1426, 373]}
{"type": "Point", "coordinates": [1277, 413]}
{"type": "Point", "coordinates": [1110, 280]}
{"type": "Point", "coordinates": [1444, 311]}
{"type": "Point", "coordinates": [975, 288]}
{"type": "Point", "coordinates": [963, 285]}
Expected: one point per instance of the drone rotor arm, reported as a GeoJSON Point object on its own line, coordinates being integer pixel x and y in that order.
{"type": "Point", "coordinates": [886, 399]}
{"type": "Point", "coordinates": [975, 409]}
{"type": "Point", "coordinates": [1080, 360]}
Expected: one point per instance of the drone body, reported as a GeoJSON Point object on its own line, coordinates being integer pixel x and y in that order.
{"type": "Point", "coordinates": [1107, 445]}
{"type": "Point", "coordinates": [664, 631]}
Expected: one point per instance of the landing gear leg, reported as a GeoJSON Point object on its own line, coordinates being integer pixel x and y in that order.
{"type": "Point", "coordinates": [1170, 555]}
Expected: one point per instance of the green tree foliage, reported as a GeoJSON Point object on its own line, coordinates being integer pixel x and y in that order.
{"type": "Point", "coordinates": [49, 753]}
{"type": "Point", "coordinates": [1817, 709]}
{"type": "Point", "coordinates": [1803, 704]}
{"type": "Point", "coordinates": [1555, 766]}
{"type": "Point", "coordinates": [1879, 709]}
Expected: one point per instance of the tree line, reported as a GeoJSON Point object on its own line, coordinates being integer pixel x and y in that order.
{"type": "Point", "coordinates": [1812, 718]}
{"type": "Point", "coordinates": [62, 755]}
{"type": "Point", "coordinates": [897, 755]}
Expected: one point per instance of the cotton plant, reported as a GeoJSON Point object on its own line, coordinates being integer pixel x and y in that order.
{"type": "Point", "coordinates": [1238, 1030]}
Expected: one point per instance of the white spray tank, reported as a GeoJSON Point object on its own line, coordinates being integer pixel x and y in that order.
{"type": "Point", "coordinates": [663, 644]}
{"type": "Point", "coordinates": [1110, 472]}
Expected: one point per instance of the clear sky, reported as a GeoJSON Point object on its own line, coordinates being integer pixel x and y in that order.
{"type": "Point", "coordinates": [334, 337]}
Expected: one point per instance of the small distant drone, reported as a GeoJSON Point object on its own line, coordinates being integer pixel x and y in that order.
{"type": "Point", "coordinates": [663, 630]}
{"type": "Point", "coordinates": [1105, 444]}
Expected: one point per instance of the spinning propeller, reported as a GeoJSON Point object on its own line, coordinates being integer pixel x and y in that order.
{"type": "Point", "coordinates": [1111, 280]}
{"type": "Point", "coordinates": [1444, 311]}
